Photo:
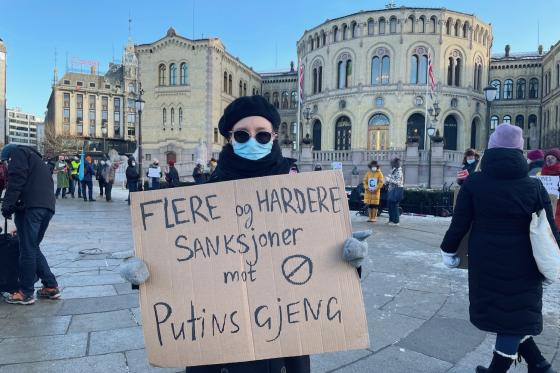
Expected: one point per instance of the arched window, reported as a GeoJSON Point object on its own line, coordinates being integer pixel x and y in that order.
{"type": "Point", "coordinates": [410, 24]}
{"type": "Point", "coordinates": [284, 100]}
{"type": "Point", "coordinates": [385, 69]}
{"type": "Point", "coordinates": [335, 34]}
{"type": "Point", "coordinates": [448, 26]}
{"type": "Point", "coordinates": [380, 67]}
{"type": "Point", "coordinates": [521, 86]}
{"type": "Point", "coordinates": [343, 134]}
{"type": "Point", "coordinates": [184, 73]}
{"type": "Point", "coordinates": [457, 27]}
{"type": "Point", "coordinates": [354, 30]}
{"type": "Point", "coordinates": [370, 26]}
{"type": "Point", "coordinates": [240, 88]}
{"type": "Point", "coordinates": [230, 84]}
{"type": "Point", "coordinates": [310, 42]}
{"type": "Point", "coordinates": [507, 119]}
{"type": "Point", "coordinates": [382, 26]}
{"type": "Point", "coordinates": [532, 122]}
{"type": "Point", "coordinates": [344, 71]}
{"type": "Point", "coordinates": [534, 88]}
{"type": "Point", "coordinates": [293, 100]}
{"type": "Point", "coordinates": [415, 127]}
{"type": "Point", "coordinates": [172, 74]}
{"type": "Point", "coordinates": [267, 96]}
{"type": "Point", "coordinates": [378, 132]}
{"type": "Point", "coordinates": [275, 100]}
{"type": "Point", "coordinates": [317, 135]}
{"type": "Point", "coordinates": [324, 37]}
{"type": "Point", "coordinates": [393, 25]}
{"type": "Point", "coordinates": [498, 85]}
{"type": "Point", "coordinates": [180, 118]}
{"type": "Point", "coordinates": [344, 32]}
{"type": "Point", "coordinates": [317, 77]}
{"type": "Point", "coordinates": [433, 24]}
{"type": "Point", "coordinates": [475, 37]}
{"type": "Point", "coordinates": [348, 73]}
{"type": "Point", "coordinates": [225, 81]}
{"type": "Point", "coordinates": [520, 121]}
{"type": "Point", "coordinates": [477, 83]}
{"type": "Point", "coordinates": [450, 71]}
{"type": "Point", "coordinates": [422, 24]}
{"type": "Point", "coordinates": [458, 72]}
{"type": "Point", "coordinates": [164, 117]}
{"type": "Point", "coordinates": [161, 74]}
{"type": "Point", "coordinates": [450, 133]}
{"type": "Point", "coordinates": [244, 89]}
{"type": "Point", "coordinates": [494, 122]}
{"type": "Point", "coordinates": [419, 66]}
{"type": "Point", "coordinates": [508, 89]}
{"type": "Point", "coordinates": [465, 30]}
{"type": "Point", "coordinates": [317, 45]}
{"type": "Point", "coordinates": [172, 117]}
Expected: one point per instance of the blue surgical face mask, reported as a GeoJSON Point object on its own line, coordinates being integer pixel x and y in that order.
{"type": "Point", "coordinates": [252, 149]}
{"type": "Point", "coordinates": [470, 161]}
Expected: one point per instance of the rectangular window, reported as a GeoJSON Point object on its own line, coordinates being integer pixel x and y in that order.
{"type": "Point", "coordinates": [66, 115]}
{"type": "Point", "coordinates": [92, 102]}
{"type": "Point", "coordinates": [107, 86]}
{"type": "Point", "coordinates": [67, 100]}
{"type": "Point", "coordinates": [92, 123]}
{"type": "Point", "coordinates": [104, 112]}
{"type": "Point", "coordinates": [66, 82]}
{"type": "Point", "coordinates": [92, 85]}
{"type": "Point", "coordinates": [80, 114]}
{"type": "Point", "coordinates": [117, 116]}
{"type": "Point", "coordinates": [79, 84]}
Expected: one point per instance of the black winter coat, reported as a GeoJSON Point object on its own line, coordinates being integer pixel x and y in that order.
{"type": "Point", "coordinates": [505, 286]}
{"type": "Point", "coordinates": [172, 177]}
{"type": "Point", "coordinates": [30, 183]}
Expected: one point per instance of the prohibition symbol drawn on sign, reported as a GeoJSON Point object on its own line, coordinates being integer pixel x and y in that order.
{"type": "Point", "coordinates": [297, 269]}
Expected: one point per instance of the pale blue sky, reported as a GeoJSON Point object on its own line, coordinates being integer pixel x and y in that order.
{"type": "Point", "coordinates": [262, 33]}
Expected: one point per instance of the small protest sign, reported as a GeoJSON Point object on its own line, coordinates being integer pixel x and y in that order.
{"type": "Point", "coordinates": [336, 165]}
{"type": "Point", "coordinates": [247, 270]}
{"type": "Point", "coordinates": [372, 183]}
{"type": "Point", "coordinates": [551, 183]}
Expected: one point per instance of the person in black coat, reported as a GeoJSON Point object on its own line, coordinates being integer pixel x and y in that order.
{"type": "Point", "coordinates": [470, 162]}
{"type": "Point", "coordinates": [132, 177]}
{"type": "Point", "coordinates": [30, 195]}
{"type": "Point", "coordinates": [505, 285]}
{"type": "Point", "coordinates": [172, 176]}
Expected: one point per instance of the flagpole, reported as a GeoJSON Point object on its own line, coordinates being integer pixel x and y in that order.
{"type": "Point", "coordinates": [299, 105]}
{"type": "Point", "coordinates": [426, 99]}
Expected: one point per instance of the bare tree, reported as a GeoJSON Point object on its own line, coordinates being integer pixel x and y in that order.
{"type": "Point", "coordinates": [55, 144]}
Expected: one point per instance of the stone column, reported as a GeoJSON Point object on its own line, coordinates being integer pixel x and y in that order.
{"type": "Point", "coordinates": [411, 164]}
{"type": "Point", "coordinates": [306, 159]}
{"type": "Point", "coordinates": [438, 165]}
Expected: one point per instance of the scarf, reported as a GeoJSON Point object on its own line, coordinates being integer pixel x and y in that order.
{"type": "Point", "coordinates": [233, 167]}
{"type": "Point", "coordinates": [553, 170]}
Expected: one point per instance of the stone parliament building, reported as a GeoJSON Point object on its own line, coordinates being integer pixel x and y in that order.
{"type": "Point", "coordinates": [364, 92]}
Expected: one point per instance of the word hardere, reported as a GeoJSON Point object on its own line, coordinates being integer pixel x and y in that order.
{"type": "Point", "coordinates": [200, 324]}
{"type": "Point", "coordinates": [310, 200]}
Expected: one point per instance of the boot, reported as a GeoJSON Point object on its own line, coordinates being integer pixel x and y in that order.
{"type": "Point", "coordinates": [499, 364]}
{"type": "Point", "coordinates": [529, 351]}
{"type": "Point", "coordinates": [370, 215]}
{"type": "Point", "coordinates": [374, 215]}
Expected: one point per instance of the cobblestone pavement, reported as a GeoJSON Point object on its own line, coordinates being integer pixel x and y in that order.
{"type": "Point", "coordinates": [417, 309]}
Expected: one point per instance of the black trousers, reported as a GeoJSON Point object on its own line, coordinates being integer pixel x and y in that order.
{"type": "Point", "coordinates": [108, 189]}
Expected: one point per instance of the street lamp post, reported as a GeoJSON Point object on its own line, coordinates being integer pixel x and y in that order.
{"type": "Point", "coordinates": [434, 113]}
{"type": "Point", "coordinates": [140, 108]}
{"type": "Point", "coordinates": [490, 94]}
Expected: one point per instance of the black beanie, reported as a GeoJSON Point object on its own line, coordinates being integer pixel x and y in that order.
{"type": "Point", "coordinates": [248, 106]}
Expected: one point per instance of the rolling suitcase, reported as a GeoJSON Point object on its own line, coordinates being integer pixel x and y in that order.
{"type": "Point", "coordinates": [9, 258]}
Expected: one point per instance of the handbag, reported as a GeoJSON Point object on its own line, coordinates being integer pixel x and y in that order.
{"type": "Point", "coordinates": [395, 194]}
{"type": "Point", "coordinates": [545, 248]}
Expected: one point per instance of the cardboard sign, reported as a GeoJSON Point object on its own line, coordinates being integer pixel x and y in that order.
{"type": "Point", "coordinates": [336, 165]}
{"type": "Point", "coordinates": [372, 183]}
{"type": "Point", "coordinates": [154, 172]}
{"type": "Point", "coordinates": [247, 270]}
{"type": "Point", "coordinates": [551, 183]}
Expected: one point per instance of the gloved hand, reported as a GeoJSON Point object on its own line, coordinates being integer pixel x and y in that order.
{"type": "Point", "coordinates": [8, 211]}
{"type": "Point", "coordinates": [135, 271]}
{"type": "Point", "coordinates": [356, 248]}
{"type": "Point", "coordinates": [450, 260]}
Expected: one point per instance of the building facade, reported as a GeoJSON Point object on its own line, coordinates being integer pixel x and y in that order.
{"type": "Point", "coordinates": [366, 78]}
{"type": "Point", "coordinates": [98, 108]}
{"type": "Point", "coordinates": [2, 92]}
{"type": "Point", "coordinates": [22, 127]}
{"type": "Point", "coordinates": [186, 85]}
{"type": "Point", "coordinates": [551, 98]}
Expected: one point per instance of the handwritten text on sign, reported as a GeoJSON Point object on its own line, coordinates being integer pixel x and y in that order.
{"type": "Point", "coordinates": [247, 270]}
{"type": "Point", "coordinates": [551, 183]}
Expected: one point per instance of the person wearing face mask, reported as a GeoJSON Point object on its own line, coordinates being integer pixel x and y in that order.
{"type": "Point", "coordinates": [373, 182]}
{"type": "Point", "coordinates": [470, 162]}
{"type": "Point", "coordinates": [132, 177]}
{"type": "Point", "coordinates": [249, 124]}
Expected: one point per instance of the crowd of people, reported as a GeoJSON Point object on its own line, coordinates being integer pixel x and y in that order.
{"type": "Point", "coordinates": [495, 205]}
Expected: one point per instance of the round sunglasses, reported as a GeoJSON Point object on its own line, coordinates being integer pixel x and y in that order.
{"type": "Point", "coordinates": [242, 136]}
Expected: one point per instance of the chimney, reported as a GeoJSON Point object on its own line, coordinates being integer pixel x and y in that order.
{"type": "Point", "coordinates": [508, 48]}
{"type": "Point", "coordinates": [540, 49]}
{"type": "Point", "coordinates": [93, 70]}
{"type": "Point", "coordinates": [292, 66]}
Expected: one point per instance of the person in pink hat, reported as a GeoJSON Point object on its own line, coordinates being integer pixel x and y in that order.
{"type": "Point", "coordinates": [505, 285]}
{"type": "Point", "coordinates": [536, 162]}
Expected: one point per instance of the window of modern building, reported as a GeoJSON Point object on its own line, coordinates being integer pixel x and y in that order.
{"type": "Point", "coordinates": [184, 74]}
{"type": "Point", "coordinates": [498, 85]}
{"type": "Point", "coordinates": [508, 89]}
{"type": "Point", "coordinates": [79, 114]}
{"type": "Point", "coordinates": [161, 75]}
{"type": "Point", "coordinates": [92, 115]}
{"type": "Point", "coordinates": [92, 85]}
{"type": "Point", "coordinates": [117, 116]}
{"type": "Point", "coordinates": [534, 88]}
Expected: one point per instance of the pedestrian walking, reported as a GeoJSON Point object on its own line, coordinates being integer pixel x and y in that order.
{"type": "Point", "coordinates": [154, 174]}
{"type": "Point", "coordinates": [373, 182]}
{"type": "Point", "coordinates": [249, 125]}
{"type": "Point", "coordinates": [536, 162]}
{"type": "Point", "coordinates": [132, 177]}
{"type": "Point", "coordinates": [62, 180]}
{"type": "Point", "coordinates": [87, 182]}
{"type": "Point", "coordinates": [198, 173]}
{"type": "Point", "coordinates": [99, 176]}
{"type": "Point", "coordinates": [30, 196]}
{"type": "Point", "coordinates": [395, 190]}
{"type": "Point", "coordinates": [470, 163]}
{"type": "Point", "coordinates": [552, 168]}
{"type": "Point", "coordinates": [172, 175]}
{"type": "Point", "coordinates": [108, 174]}
{"type": "Point", "coordinates": [75, 182]}
{"type": "Point", "coordinates": [505, 285]}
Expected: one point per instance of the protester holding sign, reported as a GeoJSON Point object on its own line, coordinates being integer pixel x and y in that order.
{"type": "Point", "coordinates": [395, 181]}
{"type": "Point", "coordinates": [536, 162]}
{"type": "Point", "coordinates": [249, 124]}
{"type": "Point", "coordinates": [505, 285]}
{"type": "Point", "coordinates": [373, 182]}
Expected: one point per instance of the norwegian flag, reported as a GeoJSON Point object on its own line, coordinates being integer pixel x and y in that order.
{"type": "Point", "coordinates": [300, 81]}
{"type": "Point", "coordinates": [431, 74]}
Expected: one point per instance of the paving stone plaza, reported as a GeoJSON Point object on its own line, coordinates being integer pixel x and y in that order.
{"type": "Point", "coordinates": [417, 309]}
